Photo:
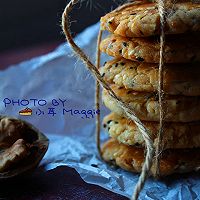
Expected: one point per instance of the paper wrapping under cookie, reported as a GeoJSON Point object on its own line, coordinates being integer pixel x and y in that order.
{"type": "Point", "coordinates": [59, 75]}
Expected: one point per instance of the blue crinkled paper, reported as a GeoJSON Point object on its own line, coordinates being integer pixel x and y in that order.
{"type": "Point", "coordinates": [60, 75]}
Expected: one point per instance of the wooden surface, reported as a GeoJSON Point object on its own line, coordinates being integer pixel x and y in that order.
{"type": "Point", "coordinates": [62, 183]}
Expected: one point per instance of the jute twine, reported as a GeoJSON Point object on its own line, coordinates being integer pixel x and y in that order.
{"type": "Point", "coordinates": [127, 109]}
{"type": "Point", "coordinates": [161, 6]}
{"type": "Point", "coordinates": [97, 96]}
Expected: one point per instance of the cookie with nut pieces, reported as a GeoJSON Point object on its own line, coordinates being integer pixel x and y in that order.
{"type": "Point", "coordinates": [175, 135]}
{"type": "Point", "coordinates": [142, 19]}
{"type": "Point", "coordinates": [178, 49]}
{"type": "Point", "coordinates": [132, 158]}
{"type": "Point", "coordinates": [146, 105]}
{"type": "Point", "coordinates": [178, 79]}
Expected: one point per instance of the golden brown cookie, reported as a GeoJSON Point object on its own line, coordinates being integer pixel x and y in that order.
{"type": "Point", "coordinates": [131, 158]}
{"type": "Point", "coordinates": [142, 19]}
{"type": "Point", "coordinates": [178, 49]}
{"type": "Point", "coordinates": [179, 79]}
{"type": "Point", "coordinates": [175, 135]}
{"type": "Point", "coordinates": [146, 105]}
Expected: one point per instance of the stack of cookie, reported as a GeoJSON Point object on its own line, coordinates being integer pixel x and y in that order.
{"type": "Point", "coordinates": [133, 76]}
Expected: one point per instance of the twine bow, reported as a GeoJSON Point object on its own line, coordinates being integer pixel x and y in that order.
{"type": "Point", "coordinates": [150, 150]}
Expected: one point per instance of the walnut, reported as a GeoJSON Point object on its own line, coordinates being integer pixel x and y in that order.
{"type": "Point", "coordinates": [22, 147]}
{"type": "Point", "coordinates": [9, 132]}
{"type": "Point", "coordinates": [17, 152]}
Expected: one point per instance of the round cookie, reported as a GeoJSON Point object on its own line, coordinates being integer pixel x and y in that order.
{"type": "Point", "coordinates": [142, 19]}
{"type": "Point", "coordinates": [178, 49]}
{"type": "Point", "coordinates": [146, 105]}
{"type": "Point", "coordinates": [131, 158]}
{"type": "Point", "coordinates": [175, 135]}
{"type": "Point", "coordinates": [179, 79]}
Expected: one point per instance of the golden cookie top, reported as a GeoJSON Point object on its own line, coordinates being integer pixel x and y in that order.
{"type": "Point", "coordinates": [142, 19]}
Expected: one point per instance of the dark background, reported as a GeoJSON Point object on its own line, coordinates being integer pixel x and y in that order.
{"type": "Point", "coordinates": [30, 22]}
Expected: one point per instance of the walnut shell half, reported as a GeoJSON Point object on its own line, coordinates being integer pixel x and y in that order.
{"type": "Point", "coordinates": [22, 147]}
